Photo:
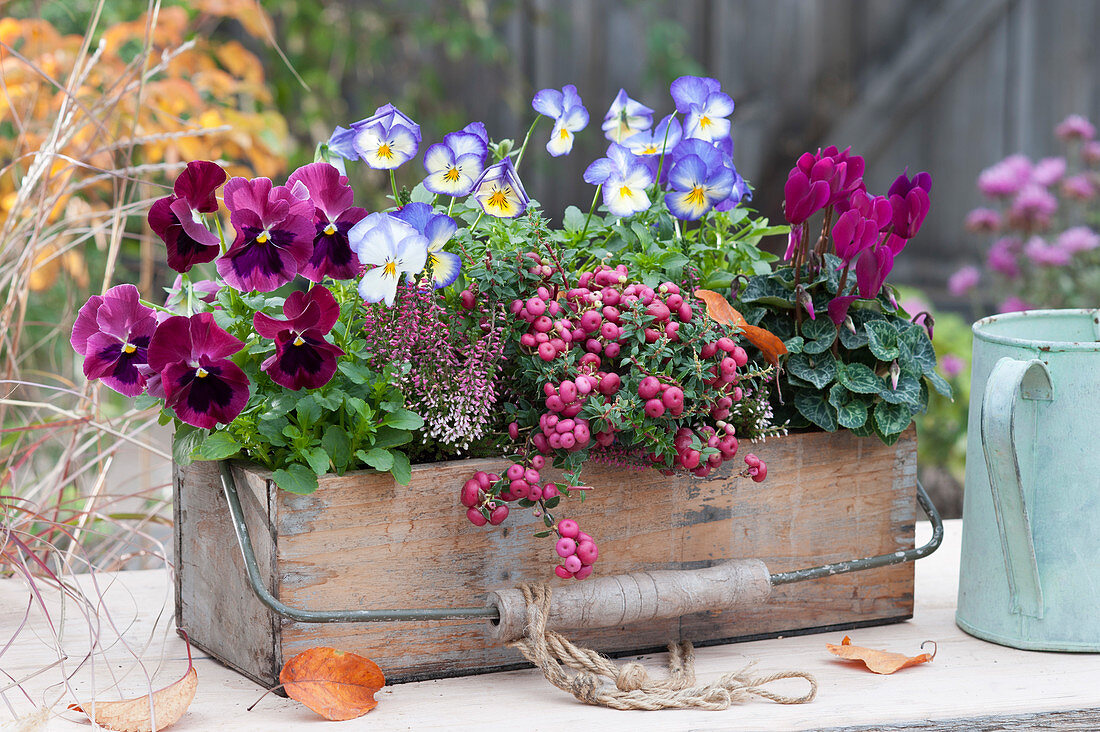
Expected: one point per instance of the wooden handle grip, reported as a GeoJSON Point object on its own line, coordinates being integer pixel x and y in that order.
{"type": "Point", "coordinates": [638, 597]}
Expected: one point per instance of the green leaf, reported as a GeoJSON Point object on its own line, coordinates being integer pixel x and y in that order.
{"type": "Point", "coordinates": [184, 442]}
{"type": "Point", "coordinates": [420, 194]}
{"type": "Point", "coordinates": [858, 339]}
{"type": "Point", "coordinates": [272, 430]}
{"type": "Point", "coordinates": [882, 338]}
{"type": "Point", "coordinates": [390, 437]}
{"type": "Point", "coordinates": [794, 345]}
{"type": "Point", "coordinates": [404, 419]}
{"type": "Point", "coordinates": [940, 384]}
{"type": "Point", "coordinates": [819, 371]}
{"type": "Point", "coordinates": [338, 446]}
{"type": "Point", "coordinates": [573, 219]}
{"type": "Point", "coordinates": [851, 409]}
{"type": "Point", "coordinates": [916, 338]}
{"type": "Point", "coordinates": [402, 469]}
{"type": "Point", "coordinates": [766, 290]}
{"type": "Point", "coordinates": [317, 458]}
{"type": "Point", "coordinates": [858, 378]}
{"type": "Point", "coordinates": [357, 373]}
{"type": "Point", "coordinates": [297, 478]}
{"type": "Point", "coordinates": [378, 458]}
{"type": "Point", "coordinates": [908, 391]}
{"type": "Point", "coordinates": [217, 446]}
{"type": "Point", "coordinates": [819, 334]}
{"type": "Point", "coordinates": [308, 410]}
{"type": "Point", "coordinates": [814, 407]}
{"type": "Point", "coordinates": [892, 419]}
{"type": "Point", "coordinates": [552, 503]}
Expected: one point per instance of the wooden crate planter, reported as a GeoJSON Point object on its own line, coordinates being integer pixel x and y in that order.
{"type": "Point", "coordinates": [362, 541]}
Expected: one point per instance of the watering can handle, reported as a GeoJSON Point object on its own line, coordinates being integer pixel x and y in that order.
{"type": "Point", "coordinates": [1011, 380]}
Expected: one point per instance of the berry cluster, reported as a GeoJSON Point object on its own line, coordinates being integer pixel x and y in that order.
{"type": "Point", "coordinates": [623, 367]}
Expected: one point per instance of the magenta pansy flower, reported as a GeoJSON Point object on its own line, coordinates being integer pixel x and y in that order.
{"type": "Point", "coordinates": [302, 358]}
{"type": "Point", "coordinates": [275, 233]}
{"type": "Point", "coordinates": [177, 219]}
{"type": "Point", "coordinates": [333, 216]}
{"type": "Point", "coordinates": [112, 332]}
{"type": "Point", "coordinates": [199, 381]}
{"type": "Point", "coordinates": [909, 199]}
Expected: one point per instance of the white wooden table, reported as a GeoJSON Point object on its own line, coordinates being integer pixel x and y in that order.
{"type": "Point", "coordinates": [970, 684]}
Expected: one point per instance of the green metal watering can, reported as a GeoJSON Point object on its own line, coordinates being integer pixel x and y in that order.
{"type": "Point", "coordinates": [1030, 571]}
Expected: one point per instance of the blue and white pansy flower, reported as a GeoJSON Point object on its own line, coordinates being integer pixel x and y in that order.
{"type": "Point", "coordinates": [568, 113]}
{"type": "Point", "coordinates": [705, 105]}
{"type": "Point", "coordinates": [624, 179]}
{"type": "Point", "coordinates": [665, 136]}
{"type": "Point", "coordinates": [437, 228]}
{"type": "Point", "coordinates": [699, 179]}
{"type": "Point", "coordinates": [386, 140]}
{"type": "Point", "coordinates": [454, 164]}
{"type": "Point", "coordinates": [626, 117]}
{"type": "Point", "coordinates": [388, 247]}
{"type": "Point", "coordinates": [499, 191]}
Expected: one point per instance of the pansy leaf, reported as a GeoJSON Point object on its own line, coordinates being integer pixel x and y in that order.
{"type": "Point", "coordinates": [882, 339]}
{"type": "Point", "coordinates": [296, 478]}
{"type": "Point", "coordinates": [317, 458]}
{"type": "Point", "coordinates": [404, 419]}
{"type": "Point", "coordinates": [336, 444]}
{"type": "Point", "coordinates": [858, 378]}
{"type": "Point", "coordinates": [402, 468]}
{"type": "Point", "coordinates": [420, 194]}
{"type": "Point", "coordinates": [907, 392]}
{"type": "Point", "coordinates": [818, 370]}
{"type": "Point", "coordinates": [358, 373]}
{"type": "Point", "coordinates": [272, 430]}
{"type": "Point", "coordinates": [851, 409]}
{"type": "Point", "coordinates": [308, 411]}
{"type": "Point", "coordinates": [892, 419]}
{"type": "Point", "coordinates": [218, 446]}
{"type": "Point", "coordinates": [819, 334]}
{"type": "Point", "coordinates": [573, 219]}
{"type": "Point", "coordinates": [940, 384]}
{"type": "Point", "coordinates": [184, 442]}
{"type": "Point", "coordinates": [377, 458]}
{"type": "Point", "coordinates": [814, 407]}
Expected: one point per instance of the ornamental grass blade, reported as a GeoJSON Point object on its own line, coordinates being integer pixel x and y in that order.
{"type": "Point", "coordinates": [335, 684]}
{"type": "Point", "coordinates": [719, 310]}
{"type": "Point", "coordinates": [133, 715]}
{"type": "Point", "coordinates": [881, 662]}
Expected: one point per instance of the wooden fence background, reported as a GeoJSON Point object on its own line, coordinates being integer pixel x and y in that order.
{"type": "Point", "coordinates": [947, 86]}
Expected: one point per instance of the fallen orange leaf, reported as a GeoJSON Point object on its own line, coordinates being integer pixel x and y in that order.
{"type": "Point", "coordinates": [132, 715]}
{"type": "Point", "coordinates": [719, 310]}
{"type": "Point", "coordinates": [335, 684]}
{"type": "Point", "coordinates": [881, 662]}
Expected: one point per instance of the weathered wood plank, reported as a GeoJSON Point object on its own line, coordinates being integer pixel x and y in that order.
{"type": "Point", "coordinates": [360, 541]}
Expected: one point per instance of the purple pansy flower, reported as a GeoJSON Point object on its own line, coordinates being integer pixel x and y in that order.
{"type": "Point", "coordinates": [112, 332]}
{"type": "Point", "coordinates": [385, 140]}
{"type": "Point", "coordinates": [568, 113]}
{"type": "Point", "coordinates": [438, 229]}
{"type": "Point", "coordinates": [177, 219]}
{"type": "Point", "coordinates": [963, 280]}
{"type": "Point", "coordinates": [909, 199]}
{"type": "Point", "coordinates": [705, 105]}
{"type": "Point", "coordinates": [626, 117]}
{"type": "Point", "coordinates": [740, 190]}
{"type": "Point", "coordinates": [302, 358]}
{"type": "Point", "coordinates": [275, 234]}
{"type": "Point", "coordinates": [624, 179]}
{"type": "Point", "coordinates": [388, 247]}
{"type": "Point", "coordinates": [333, 217]}
{"type": "Point", "coordinates": [454, 164]}
{"type": "Point", "coordinates": [699, 179]}
{"type": "Point", "coordinates": [1075, 127]}
{"type": "Point", "coordinates": [500, 192]}
{"type": "Point", "coordinates": [200, 382]}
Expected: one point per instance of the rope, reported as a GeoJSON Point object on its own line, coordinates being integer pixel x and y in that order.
{"type": "Point", "coordinates": [633, 688]}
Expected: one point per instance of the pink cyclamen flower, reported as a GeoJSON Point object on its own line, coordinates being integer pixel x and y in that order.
{"type": "Point", "coordinates": [200, 382]}
{"type": "Point", "coordinates": [1075, 127]}
{"type": "Point", "coordinates": [794, 239]}
{"type": "Point", "coordinates": [1042, 254]}
{"type": "Point", "coordinates": [177, 219]}
{"type": "Point", "coordinates": [1006, 177]}
{"type": "Point", "coordinates": [1032, 207]}
{"type": "Point", "coordinates": [1014, 304]}
{"type": "Point", "coordinates": [872, 266]}
{"type": "Point", "coordinates": [112, 332]}
{"type": "Point", "coordinates": [858, 228]}
{"type": "Point", "coordinates": [1048, 171]}
{"type": "Point", "coordinates": [302, 358]}
{"type": "Point", "coordinates": [952, 365]}
{"type": "Point", "coordinates": [1079, 187]}
{"type": "Point", "coordinates": [275, 233]}
{"type": "Point", "coordinates": [844, 174]}
{"type": "Point", "coordinates": [806, 193]}
{"type": "Point", "coordinates": [333, 217]}
{"type": "Point", "coordinates": [1002, 256]}
{"type": "Point", "coordinates": [983, 221]}
{"type": "Point", "coordinates": [1078, 239]}
{"type": "Point", "coordinates": [963, 281]}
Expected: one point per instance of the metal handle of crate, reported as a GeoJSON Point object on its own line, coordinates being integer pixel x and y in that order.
{"type": "Point", "coordinates": [747, 591]}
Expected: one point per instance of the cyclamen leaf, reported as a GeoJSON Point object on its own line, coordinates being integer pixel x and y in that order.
{"type": "Point", "coordinates": [819, 334]}
{"type": "Point", "coordinates": [851, 409]}
{"type": "Point", "coordinates": [940, 384]}
{"type": "Point", "coordinates": [892, 419]}
{"type": "Point", "coordinates": [377, 458]}
{"type": "Point", "coordinates": [882, 340]}
{"type": "Point", "coordinates": [813, 406]}
{"type": "Point", "coordinates": [916, 338]}
{"type": "Point", "coordinates": [296, 478]}
{"type": "Point", "coordinates": [217, 446]}
{"type": "Point", "coordinates": [794, 345]}
{"type": "Point", "coordinates": [908, 391]}
{"type": "Point", "coordinates": [819, 371]}
{"type": "Point", "coordinates": [858, 378]}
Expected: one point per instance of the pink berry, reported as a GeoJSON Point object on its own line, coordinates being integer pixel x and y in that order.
{"type": "Point", "coordinates": [572, 563]}
{"type": "Point", "coordinates": [587, 552]}
{"type": "Point", "coordinates": [740, 356]}
{"type": "Point", "coordinates": [590, 321]}
{"type": "Point", "coordinates": [536, 306]}
{"type": "Point", "coordinates": [654, 408]}
{"type": "Point", "coordinates": [534, 493]}
{"type": "Point", "coordinates": [518, 488]}
{"type": "Point", "coordinates": [471, 492]}
{"type": "Point", "coordinates": [590, 359]}
{"type": "Point", "coordinates": [581, 536]}
{"type": "Point", "coordinates": [585, 384]}
{"type": "Point", "coordinates": [568, 441]}
{"type": "Point", "coordinates": [726, 344]}
{"type": "Point", "coordinates": [593, 346]}
{"type": "Point", "coordinates": [611, 350]}
{"type": "Point", "coordinates": [467, 299]}
{"type": "Point", "coordinates": [752, 461]}
{"type": "Point", "coordinates": [568, 391]}
{"type": "Point", "coordinates": [547, 352]}
{"type": "Point", "coordinates": [649, 387]}
{"type": "Point", "coordinates": [498, 514]}
{"type": "Point", "coordinates": [555, 441]}
{"type": "Point", "coordinates": [571, 411]}
{"type": "Point", "coordinates": [564, 425]}
{"type": "Point", "coordinates": [538, 462]}
{"type": "Point", "coordinates": [550, 490]}
{"type": "Point", "coordinates": [609, 384]}
{"type": "Point", "coordinates": [554, 403]}
{"type": "Point", "coordinates": [562, 572]}
{"type": "Point", "coordinates": [685, 312]}
{"type": "Point", "coordinates": [566, 547]}
{"type": "Point", "coordinates": [611, 314]}
{"type": "Point", "coordinates": [690, 459]}
{"type": "Point", "coordinates": [568, 528]}
{"type": "Point", "coordinates": [583, 572]}
{"type": "Point", "coordinates": [673, 397]}
{"type": "Point", "coordinates": [513, 430]}
{"type": "Point", "coordinates": [527, 340]}
{"type": "Point", "coordinates": [531, 475]}
{"type": "Point", "coordinates": [582, 433]}
{"type": "Point", "coordinates": [651, 336]}
{"type": "Point", "coordinates": [708, 350]}
{"type": "Point", "coordinates": [761, 473]}
{"type": "Point", "coordinates": [482, 479]}
{"type": "Point", "coordinates": [475, 517]}
{"type": "Point", "coordinates": [514, 472]}
{"type": "Point", "coordinates": [540, 443]}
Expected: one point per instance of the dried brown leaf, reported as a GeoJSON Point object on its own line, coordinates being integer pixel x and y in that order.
{"type": "Point", "coordinates": [881, 662]}
{"type": "Point", "coordinates": [335, 684]}
{"type": "Point", "coordinates": [132, 715]}
{"type": "Point", "coordinates": [719, 310]}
